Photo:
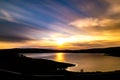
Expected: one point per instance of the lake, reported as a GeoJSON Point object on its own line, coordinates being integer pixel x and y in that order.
{"type": "Point", "coordinates": [89, 62]}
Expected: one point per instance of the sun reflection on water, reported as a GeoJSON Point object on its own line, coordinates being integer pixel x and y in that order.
{"type": "Point", "coordinates": [59, 57]}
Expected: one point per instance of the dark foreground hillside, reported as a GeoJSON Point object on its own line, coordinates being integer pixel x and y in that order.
{"type": "Point", "coordinates": [4, 75]}
{"type": "Point", "coordinates": [14, 66]}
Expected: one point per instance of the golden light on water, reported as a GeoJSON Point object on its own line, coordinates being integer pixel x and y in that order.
{"type": "Point", "coordinates": [59, 57]}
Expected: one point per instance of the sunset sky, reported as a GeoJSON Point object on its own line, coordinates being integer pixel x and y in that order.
{"type": "Point", "coordinates": [59, 24]}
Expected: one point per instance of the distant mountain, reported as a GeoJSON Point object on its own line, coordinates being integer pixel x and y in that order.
{"type": "Point", "coordinates": [26, 50]}
{"type": "Point", "coordinates": [114, 51]}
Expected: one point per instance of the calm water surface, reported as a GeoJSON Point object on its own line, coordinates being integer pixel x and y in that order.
{"type": "Point", "coordinates": [87, 62]}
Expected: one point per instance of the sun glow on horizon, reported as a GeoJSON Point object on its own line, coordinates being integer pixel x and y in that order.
{"type": "Point", "coordinates": [60, 41]}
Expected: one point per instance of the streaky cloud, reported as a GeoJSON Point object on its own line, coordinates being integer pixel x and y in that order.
{"type": "Point", "coordinates": [40, 23]}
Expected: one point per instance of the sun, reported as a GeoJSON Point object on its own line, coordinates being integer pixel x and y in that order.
{"type": "Point", "coordinates": [60, 41]}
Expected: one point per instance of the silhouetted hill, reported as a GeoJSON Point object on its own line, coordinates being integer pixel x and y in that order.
{"type": "Point", "coordinates": [114, 51]}
{"type": "Point", "coordinates": [20, 63]}
{"type": "Point", "coordinates": [27, 50]}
